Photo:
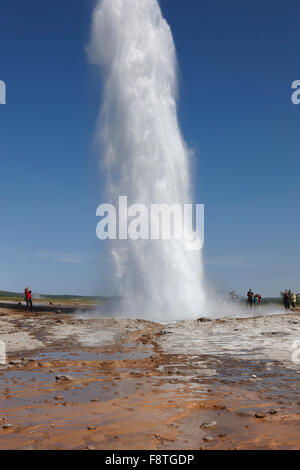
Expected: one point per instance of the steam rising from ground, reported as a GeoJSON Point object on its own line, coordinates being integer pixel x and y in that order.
{"type": "Point", "coordinates": [144, 154]}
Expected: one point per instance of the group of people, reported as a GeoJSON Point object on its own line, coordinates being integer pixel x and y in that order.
{"type": "Point", "coordinates": [253, 299]}
{"type": "Point", "coordinates": [289, 299]}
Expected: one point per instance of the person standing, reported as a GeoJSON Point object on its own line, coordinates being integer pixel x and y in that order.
{"type": "Point", "coordinates": [293, 299]}
{"type": "Point", "coordinates": [250, 296]}
{"type": "Point", "coordinates": [234, 296]}
{"type": "Point", "coordinates": [28, 298]}
{"type": "Point", "coordinates": [286, 299]}
{"type": "Point", "coordinates": [258, 299]}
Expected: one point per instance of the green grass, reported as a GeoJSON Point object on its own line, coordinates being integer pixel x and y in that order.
{"type": "Point", "coordinates": [18, 297]}
{"type": "Point", "coordinates": [272, 300]}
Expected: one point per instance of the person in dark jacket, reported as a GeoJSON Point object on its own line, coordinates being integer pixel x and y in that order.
{"type": "Point", "coordinates": [250, 296]}
{"type": "Point", "coordinates": [286, 299]}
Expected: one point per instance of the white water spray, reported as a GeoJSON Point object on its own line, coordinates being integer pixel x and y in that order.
{"type": "Point", "coordinates": [145, 156]}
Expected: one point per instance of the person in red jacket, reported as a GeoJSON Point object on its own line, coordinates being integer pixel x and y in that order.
{"type": "Point", "coordinates": [28, 299]}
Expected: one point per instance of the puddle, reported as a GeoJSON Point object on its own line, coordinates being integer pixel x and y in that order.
{"type": "Point", "coordinates": [143, 353]}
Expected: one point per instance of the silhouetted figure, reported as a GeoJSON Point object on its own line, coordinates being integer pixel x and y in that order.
{"type": "Point", "coordinates": [286, 299]}
{"type": "Point", "coordinates": [250, 296]}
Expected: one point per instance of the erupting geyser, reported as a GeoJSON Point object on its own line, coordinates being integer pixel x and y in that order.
{"type": "Point", "coordinates": [145, 156]}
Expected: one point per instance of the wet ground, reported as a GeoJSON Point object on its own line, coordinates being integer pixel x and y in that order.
{"type": "Point", "coordinates": [75, 383]}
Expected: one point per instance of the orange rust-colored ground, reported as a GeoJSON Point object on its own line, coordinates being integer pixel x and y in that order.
{"type": "Point", "coordinates": [136, 404]}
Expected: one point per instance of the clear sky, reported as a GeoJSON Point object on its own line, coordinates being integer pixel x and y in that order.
{"type": "Point", "coordinates": [237, 61]}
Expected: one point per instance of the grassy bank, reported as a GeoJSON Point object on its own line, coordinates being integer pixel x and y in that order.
{"type": "Point", "coordinates": [19, 297]}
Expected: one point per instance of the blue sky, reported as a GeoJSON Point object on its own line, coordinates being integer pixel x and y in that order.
{"type": "Point", "coordinates": [237, 61]}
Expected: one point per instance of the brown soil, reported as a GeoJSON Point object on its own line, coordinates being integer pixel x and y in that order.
{"type": "Point", "coordinates": [129, 394]}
